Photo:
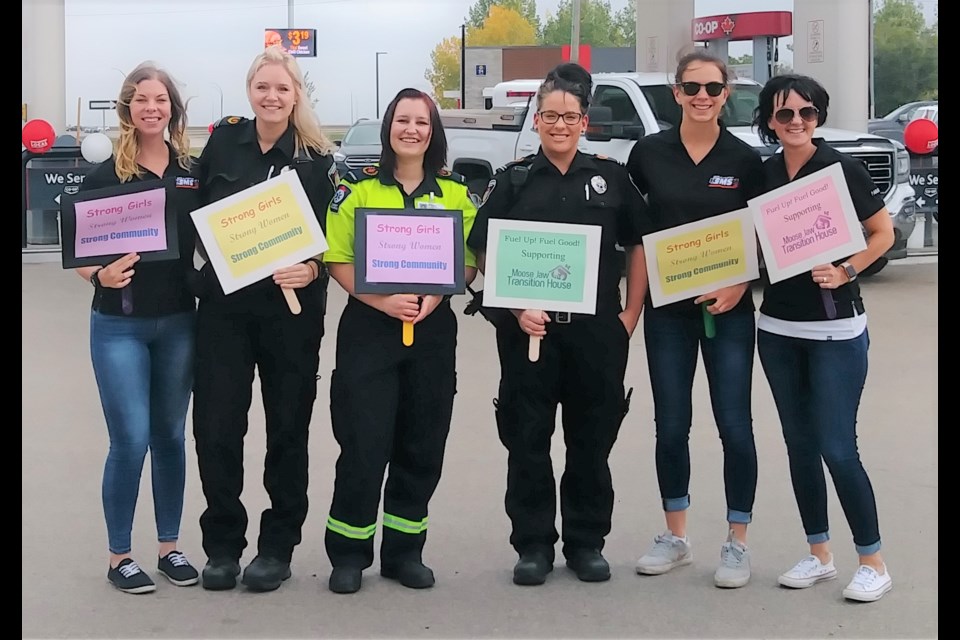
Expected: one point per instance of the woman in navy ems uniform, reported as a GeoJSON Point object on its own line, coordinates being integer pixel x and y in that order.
{"type": "Point", "coordinates": [688, 173]}
{"type": "Point", "coordinates": [254, 329]}
{"type": "Point", "coordinates": [583, 357]}
{"type": "Point", "coordinates": [390, 403]}
{"type": "Point", "coordinates": [142, 335]}
{"type": "Point", "coordinates": [817, 364]}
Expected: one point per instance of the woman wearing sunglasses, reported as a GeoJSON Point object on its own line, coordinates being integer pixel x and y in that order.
{"type": "Point", "coordinates": [817, 366]}
{"type": "Point", "coordinates": [693, 172]}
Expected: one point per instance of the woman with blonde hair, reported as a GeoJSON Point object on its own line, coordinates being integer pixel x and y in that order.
{"type": "Point", "coordinates": [142, 335]}
{"type": "Point", "coordinates": [253, 330]}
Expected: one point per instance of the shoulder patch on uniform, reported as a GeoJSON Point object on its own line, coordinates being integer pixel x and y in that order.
{"type": "Point", "coordinates": [486, 194]}
{"type": "Point", "coordinates": [338, 197]}
{"type": "Point", "coordinates": [332, 174]}
{"type": "Point", "coordinates": [451, 175]}
{"type": "Point", "coordinates": [607, 158]}
{"type": "Point", "coordinates": [517, 162]}
{"type": "Point", "coordinates": [230, 120]}
{"type": "Point", "coordinates": [354, 176]}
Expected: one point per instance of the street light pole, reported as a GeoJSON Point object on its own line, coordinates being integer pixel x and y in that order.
{"type": "Point", "coordinates": [379, 53]}
{"type": "Point", "coordinates": [221, 96]}
{"type": "Point", "coordinates": [463, 66]}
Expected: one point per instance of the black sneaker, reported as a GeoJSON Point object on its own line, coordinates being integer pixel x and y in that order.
{"type": "Point", "coordinates": [130, 578]}
{"type": "Point", "coordinates": [177, 569]}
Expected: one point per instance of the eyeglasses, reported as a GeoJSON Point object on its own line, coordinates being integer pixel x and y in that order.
{"type": "Point", "coordinates": [570, 117]}
{"type": "Point", "coordinates": [807, 114]}
{"type": "Point", "coordinates": [693, 88]}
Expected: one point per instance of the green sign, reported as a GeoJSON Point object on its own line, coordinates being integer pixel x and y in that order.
{"type": "Point", "coordinates": [537, 265]}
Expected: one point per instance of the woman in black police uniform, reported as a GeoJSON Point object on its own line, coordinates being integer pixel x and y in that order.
{"type": "Point", "coordinates": [688, 173]}
{"type": "Point", "coordinates": [816, 364]}
{"type": "Point", "coordinates": [254, 329]}
{"type": "Point", "coordinates": [583, 357]}
{"type": "Point", "coordinates": [142, 334]}
{"type": "Point", "coordinates": [391, 403]}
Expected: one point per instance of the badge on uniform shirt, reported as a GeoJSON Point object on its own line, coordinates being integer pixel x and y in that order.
{"type": "Point", "coordinates": [724, 182]}
{"type": "Point", "coordinates": [186, 182]}
{"type": "Point", "coordinates": [599, 184]}
{"type": "Point", "coordinates": [338, 197]}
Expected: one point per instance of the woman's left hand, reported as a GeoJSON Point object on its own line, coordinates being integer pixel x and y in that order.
{"type": "Point", "coordinates": [427, 306]}
{"type": "Point", "coordinates": [296, 276]}
{"type": "Point", "coordinates": [724, 299]}
{"type": "Point", "coordinates": [828, 276]}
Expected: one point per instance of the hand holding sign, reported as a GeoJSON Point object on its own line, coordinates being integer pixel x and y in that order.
{"type": "Point", "coordinates": [533, 322]}
{"type": "Point", "coordinates": [118, 273]}
{"type": "Point", "coordinates": [293, 277]}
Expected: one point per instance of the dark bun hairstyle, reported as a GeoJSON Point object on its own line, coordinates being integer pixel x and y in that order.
{"type": "Point", "coordinates": [571, 78]}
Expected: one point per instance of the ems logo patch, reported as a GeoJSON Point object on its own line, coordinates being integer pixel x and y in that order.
{"type": "Point", "coordinates": [338, 197]}
{"type": "Point", "coordinates": [599, 184]}
{"type": "Point", "coordinates": [444, 173]}
{"type": "Point", "coordinates": [724, 182]}
{"type": "Point", "coordinates": [233, 120]}
{"type": "Point", "coordinates": [186, 182]}
{"type": "Point", "coordinates": [370, 171]}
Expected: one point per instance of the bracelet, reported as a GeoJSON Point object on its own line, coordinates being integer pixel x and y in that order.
{"type": "Point", "coordinates": [95, 278]}
{"type": "Point", "coordinates": [319, 267]}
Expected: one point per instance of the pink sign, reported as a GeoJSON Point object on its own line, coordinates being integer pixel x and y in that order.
{"type": "Point", "coordinates": [410, 249]}
{"type": "Point", "coordinates": [121, 224]}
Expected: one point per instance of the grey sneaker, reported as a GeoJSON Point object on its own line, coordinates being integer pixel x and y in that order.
{"type": "Point", "coordinates": [734, 569]}
{"type": "Point", "coordinates": [667, 552]}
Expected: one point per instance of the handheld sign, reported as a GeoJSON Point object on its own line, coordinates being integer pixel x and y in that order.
{"type": "Point", "coordinates": [252, 233]}
{"type": "Point", "coordinates": [409, 250]}
{"type": "Point", "coordinates": [808, 222]}
{"type": "Point", "coordinates": [805, 223]}
{"type": "Point", "coordinates": [100, 225]}
{"type": "Point", "coordinates": [689, 260]}
{"type": "Point", "coordinates": [542, 266]}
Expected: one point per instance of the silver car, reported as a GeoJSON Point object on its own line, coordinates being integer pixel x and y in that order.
{"type": "Point", "coordinates": [360, 147]}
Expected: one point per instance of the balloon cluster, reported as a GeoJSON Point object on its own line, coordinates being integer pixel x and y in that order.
{"type": "Point", "coordinates": [38, 136]}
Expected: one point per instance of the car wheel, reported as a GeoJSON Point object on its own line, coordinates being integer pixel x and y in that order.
{"type": "Point", "coordinates": [874, 268]}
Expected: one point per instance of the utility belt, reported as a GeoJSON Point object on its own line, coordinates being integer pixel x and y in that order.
{"type": "Point", "coordinates": [499, 317]}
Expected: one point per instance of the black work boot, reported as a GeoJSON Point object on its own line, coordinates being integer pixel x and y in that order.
{"type": "Point", "coordinates": [265, 574]}
{"type": "Point", "coordinates": [589, 565]}
{"type": "Point", "coordinates": [532, 568]}
{"type": "Point", "coordinates": [412, 574]}
{"type": "Point", "coordinates": [220, 574]}
{"type": "Point", "coordinates": [345, 579]}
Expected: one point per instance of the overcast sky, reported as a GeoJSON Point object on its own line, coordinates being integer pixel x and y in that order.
{"type": "Point", "coordinates": [208, 46]}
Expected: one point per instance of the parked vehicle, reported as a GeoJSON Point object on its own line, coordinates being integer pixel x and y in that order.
{"type": "Point", "coordinates": [891, 125]}
{"type": "Point", "coordinates": [628, 106]}
{"type": "Point", "coordinates": [360, 146]}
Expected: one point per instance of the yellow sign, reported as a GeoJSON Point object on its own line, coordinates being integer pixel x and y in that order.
{"type": "Point", "coordinates": [254, 232]}
{"type": "Point", "coordinates": [700, 257]}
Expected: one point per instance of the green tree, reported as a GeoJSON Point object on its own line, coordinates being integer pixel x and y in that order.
{"type": "Point", "coordinates": [503, 27]}
{"type": "Point", "coordinates": [905, 58]}
{"type": "Point", "coordinates": [444, 72]}
{"type": "Point", "coordinates": [626, 24]}
{"type": "Point", "coordinates": [744, 59]}
{"type": "Point", "coordinates": [598, 27]}
{"type": "Point", "coordinates": [481, 9]}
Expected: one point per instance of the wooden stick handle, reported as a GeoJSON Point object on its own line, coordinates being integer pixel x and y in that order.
{"type": "Point", "coordinates": [407, 334]}
{"type": "Point", "coordinates": [533, 351]}
{"type": "Point", "coordinates": [290, 295]}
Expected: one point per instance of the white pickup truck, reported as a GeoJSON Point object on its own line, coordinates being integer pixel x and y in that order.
{"type": "Point", "coordinates": [628, 106]}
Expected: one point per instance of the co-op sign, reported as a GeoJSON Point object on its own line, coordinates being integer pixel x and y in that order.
{"type": "Point", "coordinates": [743, 26]}
{"type": "Point", "coordinates": [45, 185]}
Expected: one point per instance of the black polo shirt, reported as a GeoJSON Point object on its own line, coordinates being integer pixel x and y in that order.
{"type": "Point", "coordinates": [680, 191]}
{"type": "Point", "coordinates": [798, 298]}
{"type": "Point", "coordinates": [594, 191]}
{"type": "Point", "coordinates": [232, 161]}
{"type": "Point", "coordinates": [157, 288]}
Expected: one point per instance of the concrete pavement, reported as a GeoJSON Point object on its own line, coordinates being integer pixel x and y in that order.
{"type": "Point", "coordinates": [64, 560]}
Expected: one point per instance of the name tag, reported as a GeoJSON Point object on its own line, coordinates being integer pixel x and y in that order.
{"type": "Point", "coordinates": [429, 205]}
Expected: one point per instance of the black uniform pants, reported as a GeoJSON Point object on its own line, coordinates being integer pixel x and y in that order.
{"type": "Point", "coordinates": [388, 404]}
{"type": "Point", "coordinates": [581, 367]}
{"type": "Point", "coordinates": [235, 335]}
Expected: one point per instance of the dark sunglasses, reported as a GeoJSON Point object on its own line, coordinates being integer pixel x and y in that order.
{"type": "Point", "coordinates": [693, 88]}
{"type": "Point", "coordinates": [807, 114]}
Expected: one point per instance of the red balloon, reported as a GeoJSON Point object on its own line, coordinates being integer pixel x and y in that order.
{"type": "Point", "coordinates": [210, 128]}
{"type": "Point", "coordinates": [38, 136]}
{"type": "Point", "coordinates": [921, 136]}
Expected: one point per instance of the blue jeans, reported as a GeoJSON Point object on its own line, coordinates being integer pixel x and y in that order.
{"type": "Point", "coordinates": [144, 371]}
{"type": "Point", "coordinates": [816, 385]}
{"type": "Point", "coordinates": [672, 342]}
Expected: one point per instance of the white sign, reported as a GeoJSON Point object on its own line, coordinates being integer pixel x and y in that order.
{"type": "Point", "coordinates": [815, 41]}
{"type": "Point", "coordinates": [653, 57]}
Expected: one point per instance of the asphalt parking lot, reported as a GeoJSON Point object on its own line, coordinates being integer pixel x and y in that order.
{"type": "Point", "coordinates": [64, 560]}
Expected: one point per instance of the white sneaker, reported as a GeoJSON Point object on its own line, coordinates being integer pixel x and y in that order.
{"type": "Point", "coordinates": [868, 585]}
{"type": "Point", "coordinates": [808, 572]}
{"type": "Point", "coordinates": [734, 569]}
{"type": "Point", "coordinates": [668, 551]}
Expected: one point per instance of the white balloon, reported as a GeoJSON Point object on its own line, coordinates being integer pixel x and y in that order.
{"type": "Point", "coordinates": [96, 148]}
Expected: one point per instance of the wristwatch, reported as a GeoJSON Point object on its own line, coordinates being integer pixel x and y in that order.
{"type": "Point", "coordinates": [851, 272]}
{"type": "Point", "coordinates": [95, 279]}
